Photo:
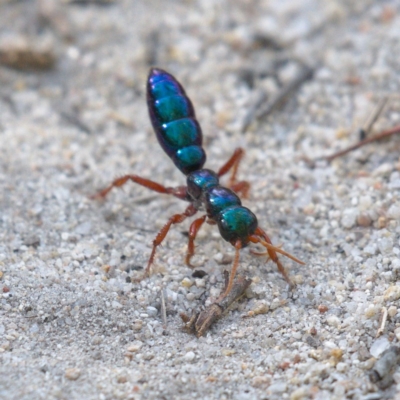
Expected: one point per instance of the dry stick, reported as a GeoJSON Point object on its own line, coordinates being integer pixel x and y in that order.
{"type": "Point", "coordinates": [383, 322]}
{"type": "Point", "coordinates": [163, 308]}
{"type": "Point", "coordinates": [255, 112]}
{"type": "Point", "coordinates": [373, 118]}
{"type": "Point", "coordinates": [199, 323]}
{"type": "Point", "coordinates": [379, 136]}
{"type": "Point", "coordinates": [364, 131]}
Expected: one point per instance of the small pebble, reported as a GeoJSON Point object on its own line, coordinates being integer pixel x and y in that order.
{"type": "Point", "coordinates": [133, 347]}
{"type": "Point", "coordinates": [371, 311]}
{"type": "Point", "coordinates": [379, 346]}
{"type": "Point", "coordinates": [392, 293]}
{"type": "Point", "coordinates": [337, 353]}
{"type": "Point", "coordinates": [381, 223]}
{"type": "Point", "coordinates": [392, 311]}
{"type": "Point", "coordinates": [228, 352]}
{"type": "Point", "coordinates": [189, 356]}
{"type": "Point", "coordinates": [122, 378]}
{"type": "Point", "coordinates": [279, 387]}
{"type": "Point", "coordinates": [394, 211]}
{"type": "Point", "coordinates": [349, 218]}
{"type": "Point", "coordinates": [260, 308]}
{"type": "Point", "coordinates": [72, 373]}
{"type": "Point", "coordinates": [313, 331]}
{"type": "Point", "coordinates": [151, 311]}
{"type": "Point", "coordinates": [200, 283]}
{"type": "Point", "coordinates": [341, 367]}
{"type": "Point", "coordinates": [137, 325]}
{"type": "Point", "coordinates": [190, 296]}
{"type": "Point", "coordinates": [115, 304]}
{"type": "Point", "coordinates": [365, 202]}
{"type": "Point", "coordinates": [363, 219]}
{"type": "Point", "coordinates": [186, 282]}
{"type": "Point", "coordinates": [298, 279]}
{"type": "Point", "coordinates": [322, 308]}
{"type": "Point", "coordinates": [300, 393]}
{"type": "Point", "coordinates": [260, 381]}
{"type": "Point", "coordinates": [333, 320]}
{"type": "Point", "coordinates": [385, 245]}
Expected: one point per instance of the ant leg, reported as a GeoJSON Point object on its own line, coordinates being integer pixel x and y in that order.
{"type": "Point", "coordinates": [193, 230]}
{"type": "Point", "coordinates": [179, 191]}
{"type": "Point", "coordinates": [241, 187]}
{"type": "Point", "coordinates": [263, 253]}
{"type": "Point", "coordinates": [238, 246]}
{"type": "Point", "coordinates": [175, 219]}
{"type": "Point", "coordinates": [272, 250]}
{"type": "Point", "coordinates": [233, 163]}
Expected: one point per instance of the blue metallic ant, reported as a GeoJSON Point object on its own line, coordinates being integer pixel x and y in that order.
{"type": "Point", "coordinates": [179, 134]}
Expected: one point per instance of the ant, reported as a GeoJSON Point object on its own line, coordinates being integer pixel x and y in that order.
{"type": "Point", "coordinates": [179, 134]}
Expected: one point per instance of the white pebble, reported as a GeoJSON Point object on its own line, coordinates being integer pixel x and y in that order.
{"type": "Point", "coordinates": [341, 366]}
{"type": "Point", "coordinates": [186, 282]}
{"type": "Point", "coordinates": [385, 245]}
{"type": "Point", "coordinates": [200, 283]}
{"type": "Point", "coordinates": [379, 346]}
{"type": "Point", "coordinates": [115, 304]}
{"type": "Point", "coordinates": [365, 202]}
{"type": "Point", "coordinates": [278, 387]}
{"type": "Point", "coordinates": [72, 373]}
{"type": "Point", "coordinates": [333, 320]}
{"type": "Point", "coordinates": [392, 293]}
{"type": "Point", "coordinates": [190, 296]}
{"type": "Point", "coordinates": [189, 356]}
{"type": "Point", "coordinates": [349, 218]}
{"type": "Point", "coordinates": [151, 311]}
{"type": "Point", "coordinates": [370, 249]}
{"type": "Point", "coordinates": [392, 311]}
{"type": "Point", "coordinates": [394, 211]}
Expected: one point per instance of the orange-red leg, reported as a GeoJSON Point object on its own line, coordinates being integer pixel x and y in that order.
{"type": "Point", "coordinates": [238, 246]}
{"type": "Point", "coordinates": [175, 219]}
{"type": "Point", "coordinates": [263, 253]}
{"type": "Point", "coordinates": [233, 162]}
{"type": "Point", "coordinates": [193, 230]}
{"type": "Point", "coordinates": [272, 252]}
{"type": "Point", "coordinates": [179, 191]}
{"type": "Point", "coordinates": [241, 187]}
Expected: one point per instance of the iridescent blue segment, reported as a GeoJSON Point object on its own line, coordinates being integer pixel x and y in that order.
{"type": "Point", "coordinates": [174, 121]}
{"type": "Point", "coordinates": [181, 133]}
{"type": "Point", "coordinates": [237, 222]}
{"type": "Point", "coordinates": [165, 88]}
{"type": "Point", "coordinates": [189, 158]}
{"type": "Point", "coordinates": [199, 182]}
{"type": "Point", "coordinates": [171, 108]}
{"type": "Point", "coordinates": [218, 199]}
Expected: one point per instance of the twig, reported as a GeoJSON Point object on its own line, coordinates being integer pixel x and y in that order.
{"type": "Point", "coordinates": [374, 138]}
{"type": "Point", "coordinates": [163, 308]}
{"type": "Point", "coordinates": [383, 322]}
{"type": "Point", "coordinates": [364, 131]}
{"type": "Point", "coordinates": [255, 112]}
{"type": "Point", "coordinates": [199, 323]}
{"type": "Point", "coordinates": [373, 118]}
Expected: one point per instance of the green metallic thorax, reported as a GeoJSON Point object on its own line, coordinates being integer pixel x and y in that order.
{"type": "Point", "coordinates": [235, 222]}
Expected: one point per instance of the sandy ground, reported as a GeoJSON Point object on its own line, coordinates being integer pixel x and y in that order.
{"type": "Point", "coordinates": [74, 325]}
